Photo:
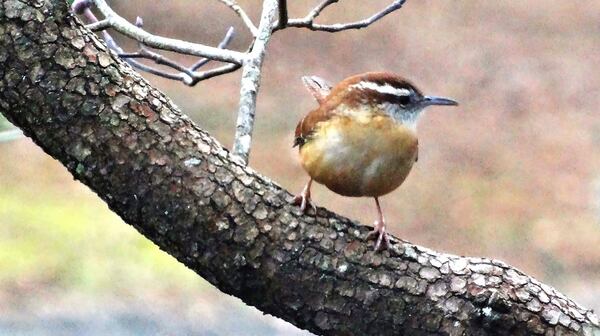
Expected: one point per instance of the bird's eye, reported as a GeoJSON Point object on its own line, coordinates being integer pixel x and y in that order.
{"type": "Point", "coordinates": [403, 100]}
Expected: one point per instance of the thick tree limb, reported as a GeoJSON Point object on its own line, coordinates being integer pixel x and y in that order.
{"type": "Point", "coordinates": [178, 186]}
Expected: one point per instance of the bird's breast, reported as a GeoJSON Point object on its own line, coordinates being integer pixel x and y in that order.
{"type": "Point", "coordinates": [366, 157]}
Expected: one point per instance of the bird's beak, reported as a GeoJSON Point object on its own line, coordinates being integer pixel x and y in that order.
{"type": "Point", "coordinates": [433, 100]}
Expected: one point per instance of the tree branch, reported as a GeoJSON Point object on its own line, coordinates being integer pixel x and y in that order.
{"type": "Point", "coordinates": [222, 45]}
{"type": "Point", "coordinates": [189, 76]}
{"type": "Point", "coordinates": [251, 82]}
{"type": "Point", "coordinates": [98, 25]}
{"type": "Point", "coordinates": [183, 47]}
{"type": "Point", "coordinates": [308, 21]}
{"type": "Point", "coordinates": [283, 14]}
{"type": "Point", "coordinates": [176, 185]}
{"type": "Point", "coordinates": [242, 14]}
{"type": "Point", "coordinates": [145, 53]}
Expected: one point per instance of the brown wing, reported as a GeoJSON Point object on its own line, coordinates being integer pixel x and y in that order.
{"type": "Point", "coordinates": [307, 125]}
{"type": "Point", "coordinates": [328, 105]}
{"type": "Point", "coordinates": [326, 109]}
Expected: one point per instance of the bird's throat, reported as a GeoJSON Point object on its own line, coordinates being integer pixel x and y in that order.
{"type": "Point", "coordinates": [406, 117]}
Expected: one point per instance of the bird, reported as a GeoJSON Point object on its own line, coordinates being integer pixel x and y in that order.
{"type": "Point", "coordinates": [361, 141]}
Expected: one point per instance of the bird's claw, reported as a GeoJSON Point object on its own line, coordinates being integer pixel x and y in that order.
{"type": "Point", "coordinates": [382, 236]}
{"type": "Point", "coordinates": [304, 201]}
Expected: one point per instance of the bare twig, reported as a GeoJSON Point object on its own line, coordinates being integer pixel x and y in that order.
{"type": "Point", "coordinates": [242, 14]}
{"type": "Point", "coordinates": [179, 46]}
{"type": "Point", "coordinates": [187, 75]}
{"type": "Point", "coordinates": [112, 44]}
{"type": "Point", "coordinates": [222, 45]}
{"type": "Point", "coordinates": [283, 14]}
{"type": "Point", "coordinates": [308, 21]}
{"type": "Point", "coordinates": [227, 68]}
{"type": "Point", "coordinates": [251, 82]}
{"type": "Point", "coordinates": [128, 57]}
{"type": "Point", "coordinates": [317, 10]}
{"type": "Point", "coordinates": [145, 53]}
{"type": "Point", "coordinates": [99, 25]}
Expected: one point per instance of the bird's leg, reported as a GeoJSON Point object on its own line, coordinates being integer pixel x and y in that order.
{"type": "Point", "coordinates": [303, 199]}
{"type": "Point", "coordinates": [379, 229]}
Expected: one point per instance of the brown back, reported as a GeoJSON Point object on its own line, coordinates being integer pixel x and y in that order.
{"type": "Point", "coordinates": [340, 94]}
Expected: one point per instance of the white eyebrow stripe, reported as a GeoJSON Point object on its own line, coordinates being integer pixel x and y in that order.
{"type": "Point", "coordinates": [385, 89]}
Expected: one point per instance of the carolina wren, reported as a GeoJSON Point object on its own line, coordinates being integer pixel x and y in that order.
{"type": "Point", "coordinates": [361, 141]}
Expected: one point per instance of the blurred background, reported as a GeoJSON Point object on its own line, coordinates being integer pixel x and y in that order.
{"type": "Point", "coordinates": [513, 173]}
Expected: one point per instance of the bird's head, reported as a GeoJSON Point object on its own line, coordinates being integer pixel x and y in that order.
{"type": "Point", "coordinates": [390, 94]}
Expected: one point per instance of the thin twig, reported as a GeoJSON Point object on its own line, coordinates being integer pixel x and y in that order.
{"type": "Point", "coordinates": [112, 44]}
{"type": "Point", "coordinates": [317, 10]}
{"type": "Point", "coordinates": [311, 16]}
{"type": "Point", "coordinates": [222, 45]}
{"type": "Point", "coordinates": [283, 14]}
{"type": "Point", "coordinates": [251, 82]}
{"type": "Point", "coordinates": [308, 21]}
{"type": "Point", "coordinates": [158, 59]}
{"type": "Point", "coordinates": [227, 68]}
{"type": "Point", "coordinates": [98, 26]}
{"type": "Point", "coordinates": [159, 42]}
{"type": "Point", "coordinates": [187, 75]}
{"type": "Point", "coordinates": [242, 14]}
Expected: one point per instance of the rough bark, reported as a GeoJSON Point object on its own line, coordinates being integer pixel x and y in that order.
{"type": "Point", "coordinates": [182, 190]}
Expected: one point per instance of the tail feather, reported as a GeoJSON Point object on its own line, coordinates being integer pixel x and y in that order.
{"type": "Point", "coordinates": [317, 86]}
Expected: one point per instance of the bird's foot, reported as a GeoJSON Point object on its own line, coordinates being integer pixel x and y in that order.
{"type": "Point", "coordinates": [382, 236]}
{"type": "Point", "coordinates": [304, 201]}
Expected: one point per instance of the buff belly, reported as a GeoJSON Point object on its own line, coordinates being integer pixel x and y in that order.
{"type": "Point", "coordinates": [367, 158]}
